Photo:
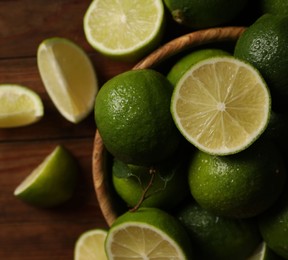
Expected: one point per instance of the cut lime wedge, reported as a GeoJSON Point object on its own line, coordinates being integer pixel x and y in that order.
{"type": "Point", "coordinates": [68, 76]}
{"type": "Point", "coordinates": [19, 106]}
{"type": "Point", "coordinates": [52, 182]}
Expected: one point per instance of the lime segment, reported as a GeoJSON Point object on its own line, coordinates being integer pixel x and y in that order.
{"type": "Point", "coordinates": [52, 182]}
{"type": "Point", "coordinates": [221, 105]}
{"type": "Point", "coordinates": [90, 245]}
{"type": "Point", "coordinates": [19, 106]}
{"type": "Point", "coordinates": [68, 76]}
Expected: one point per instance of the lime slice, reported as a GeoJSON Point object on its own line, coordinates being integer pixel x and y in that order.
{"type": "Point", "coordinates": [125, 30]}
{"type": "Point", "coordinates": [148, 233]}
{"type": "Point", "coordinates": [68, 76]}
{"type": "Point", "coordinates": [52, 182]}
{"type": "Point", "coordinates": [90, 245]}
{"type": "Point", "coordinates": [19, 106]}
{"type": "Point", "coordinates": [263, 252]}
{"type": "Point", "coordinates": [221, 105]}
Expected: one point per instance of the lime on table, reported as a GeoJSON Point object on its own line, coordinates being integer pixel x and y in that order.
{"type": "Point", "coordinates": [124, 30]}
{"type": "Point", "coordinates": [132, 114]}
{"type": "Point", "coordinates": [91, 245]}
{"type": "Point", "coordinates": [241, 185]}
{"type": "Point", "coordinates": [221, 105]}
{"type": "Point", "coordinates": [68, 76]}
{"type": "Point", "coordinates": [216, 237]}
{"type": "Point", "coordinates": [148, 233]}
{"type": "Point", "coordinates": [51, 183]}
{"type": "Point", "coordinates": [19, 106]}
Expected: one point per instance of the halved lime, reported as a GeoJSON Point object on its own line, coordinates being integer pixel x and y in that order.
{"type": "Point", "coordinates": [90, 245]}
{"type": "Point", "coordinates": [221, 105]}
{"type": "Point", "coordinates": [124, 29]}
{"type": "Point", "coordinates": [68, 76]}
{"type": "Point", "coordinates": [148, 233]}
{"type": "Point", "coordinates": [52, 182]}
{"type": "Point", "coordinates": [19, 106]}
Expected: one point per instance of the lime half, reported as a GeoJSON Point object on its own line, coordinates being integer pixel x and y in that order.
{"type": "Point", "coordinates": [90, 245]}
{"type": "Point", "coordinates": [147, 233]}
{"type": "Point", "coordinates": [52, 182]}
{"type": "Point", "coordinates": [68, 76]}
{"type": "Point", "coordinates": [221, 105]}
{"type": "Point", "coordinates": [19, 106]}
{"type": "Point", "coordinates": [125, 30]}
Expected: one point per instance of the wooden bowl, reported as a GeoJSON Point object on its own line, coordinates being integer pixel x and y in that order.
{"type": "Point", "coordinates": [109, 203]}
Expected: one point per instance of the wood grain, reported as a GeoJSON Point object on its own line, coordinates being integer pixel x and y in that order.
{"type": "Point", "coordinates": [27, 232]}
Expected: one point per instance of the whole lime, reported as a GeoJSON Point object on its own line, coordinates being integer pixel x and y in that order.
{"type": "Point", "coordinates": [217, 237]}
{"type": "Point", "coordinates": [264, 45]}
{"type": "Point", "coordinates": [183, 64]}
{"type": "Point", "coordinates": [241, 185]}
{"type": "Point", "coordinates": [273, 226]}
{"type": "Point", "coordinates": [204, 14]}
{"type": "Point", "coordinates": [132, 114]}
{"type": "Point", "coordinates": [154, 186]}
{"type": "Point", "coordinates": [274, 6]}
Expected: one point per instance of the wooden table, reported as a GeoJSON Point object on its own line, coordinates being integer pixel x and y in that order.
{"type": "Point", "coordinates": [27, 232]}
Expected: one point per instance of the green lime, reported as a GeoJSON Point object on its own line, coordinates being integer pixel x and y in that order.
{"type": "Point", "coordinates": [204, 14]}
{"type": "Point", "coordinates": [217, 237]}
{"type": "Point", "coordinates": [51, 183]}
{"type": "Point", "coordinates": [221, 105]}
{"type": "Point", "coordinates": [68, 76]}
{"type": "Point", "coordinates": [274, 6]}
{"type": "Point", "coordinates": [273, 225]}
{"type": "Point", "coordinates": [241, 185]}
{"type": "Point", "coordinates": [91, 245]}
{"type": "Point", "coordinates": [19, 106]}
{"type": "Point", "coordinates": [182, 65]}
{"type": "Point", "coordinates": [148, 233]}
{"type": "Point", "coordinates": [263, 252]}
{"type": "Point", "coordinates": [154, 186]}
{"type": "Point", "coordinates": [263, 45]}
{"type": "Point", "coordinates": [132, 113]}
{"type": "Point", "coordinates": [125, 30]}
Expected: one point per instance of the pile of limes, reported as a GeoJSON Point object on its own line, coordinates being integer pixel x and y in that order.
{"type": "Point", "coordinates": [203, 145]}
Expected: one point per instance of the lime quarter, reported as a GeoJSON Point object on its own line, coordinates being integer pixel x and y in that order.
{"type": "Point", "coordinates": [68, 76]}
{"type": "Point", "coordinates": [52, 182]}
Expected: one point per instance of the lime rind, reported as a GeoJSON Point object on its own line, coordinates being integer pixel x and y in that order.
{"type": "Point", "coordinates": [20, 106]}
{"type": "Point", "coordinates": [223, 149]}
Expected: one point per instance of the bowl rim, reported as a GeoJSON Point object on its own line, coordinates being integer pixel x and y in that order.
{"type": "Point", "coordinates": [187, 41]}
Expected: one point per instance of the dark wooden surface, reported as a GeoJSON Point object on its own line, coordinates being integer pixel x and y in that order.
{"type": "Point", "coordinates": [27, 232]}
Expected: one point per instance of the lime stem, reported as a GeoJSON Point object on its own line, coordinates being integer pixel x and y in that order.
{"type": "Point", "coordinates": [152, 173]}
